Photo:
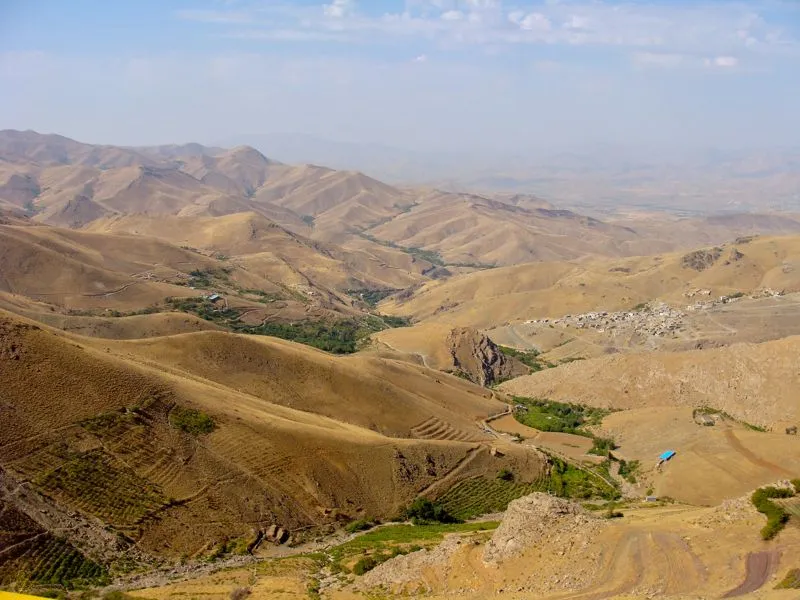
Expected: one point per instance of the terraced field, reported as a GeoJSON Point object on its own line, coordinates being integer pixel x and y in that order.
{"type": "Point", "coordinates": [29, 555]}
{"type": "Point", "coordinates": [97, 483]}
{"type": "Point", "coordinates": [46, 560]}
{"type": "Point", "coordinates": [436, 429]}
{"type": "Point", "coordinates": [480, 495]}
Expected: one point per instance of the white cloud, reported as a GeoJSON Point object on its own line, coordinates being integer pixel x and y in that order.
{"type": "Point", "coordinates": [339, 9]}
{"type": "Point", "coordinates": [535, 22]}
{"type": "Point", "coordinates": [516, 16]}
{"type": "Point", "coordinates": [708, 29]}
{"type": "Point", "coordinates": [421, 58]}
{"type": "Point", "coordinates": [577, 22]}
{"type": "Point", "coordinates": [724, 62]}
{"type": "Point", "coordinates": [453, 15]}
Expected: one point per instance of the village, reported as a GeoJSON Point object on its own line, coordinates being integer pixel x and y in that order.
{"type": "Point", "coordinates": [654, 319]}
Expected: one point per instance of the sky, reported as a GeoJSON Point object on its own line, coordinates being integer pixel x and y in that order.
{"type": "Point", "coordinates": [426, 75]}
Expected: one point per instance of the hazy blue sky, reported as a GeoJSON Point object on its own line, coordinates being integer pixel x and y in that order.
{"type": "Point", "coordinates": [420, 74]}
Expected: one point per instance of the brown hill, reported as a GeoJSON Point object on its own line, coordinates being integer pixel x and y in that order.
{"type": "Point", "coordinates": [53, 150]}
{"type": "Point", "coordinates": [752, 382]}
{"type": "Point", "coordinates": [552, 289]}
{"type": "Point", "coordinates": [466, 228]}
{"type": "Point", "coordinates": [284, 436]}
{"type": "Point", "coordinates": [73, 184]}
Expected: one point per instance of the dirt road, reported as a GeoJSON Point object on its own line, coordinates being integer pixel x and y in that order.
{"type": "Point", "coordinates": [758, 568]}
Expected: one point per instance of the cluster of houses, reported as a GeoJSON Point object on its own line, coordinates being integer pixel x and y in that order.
{"type": "Point", "coordinates": [652, 320]}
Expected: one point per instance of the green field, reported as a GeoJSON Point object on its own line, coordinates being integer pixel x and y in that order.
{"type": "Point", "coordinates": [549, 415]}
{"type": "Point", "coordinates": [480, 495]}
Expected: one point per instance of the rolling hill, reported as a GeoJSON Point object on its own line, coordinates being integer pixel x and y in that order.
{"type": "Point", "coordinates": [552, 289]}
{"type": "Point", "coordinates": [62, 182]}
{"type": "Point", "coordinates": [180, 443]}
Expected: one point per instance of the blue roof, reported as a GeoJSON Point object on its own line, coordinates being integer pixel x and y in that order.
{"type": "Point", "coordinates": [667, 455]}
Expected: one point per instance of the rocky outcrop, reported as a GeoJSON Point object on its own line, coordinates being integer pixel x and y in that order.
{"type": "Point", "coordinates": [541, 520]}
{"type": "Point", "coordinates": [478, 358]}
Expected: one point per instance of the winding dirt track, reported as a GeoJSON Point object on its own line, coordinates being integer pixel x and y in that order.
{"type": "Point", "coordinates": [758, 567]}
{"type": "Point", "coordinates": [756, 460]}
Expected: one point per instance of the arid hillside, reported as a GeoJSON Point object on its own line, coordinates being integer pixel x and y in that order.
{"type": "Point", "coordinates": [753, 382]}
{"type": "Point", "coordinates": [553, 289]}
{"type": "Point", "coordinates": [62, 182]}
{"type": "Point", "coordinates": [178, 444]}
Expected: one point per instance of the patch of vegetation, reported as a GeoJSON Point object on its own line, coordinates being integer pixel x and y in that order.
{"type": "Point", "coordinates": [602, 446]}
{"type": "Point", "coordinates": [204, 278]}
{"type": "Point", "coordinates": [735, 295]}
{"type": "Point", "coordinates": [424, 512]}
{"type": "Point", "coordinates": [204, 308]}
{"type": "Point", "coordinates": [45, 561]}
{"type": "Point", "coordinates": [796, 484]}
{"type": "Point", "coordinates": [430, 256]}
{"type": "Point", "coordinates": [628, 470]}
{"type": "Point", "coordinates": [791, 581]}
{"type": "Point", "coordinates": [480, 495]}
{"type": "Point", "coordinates": [97, 483]}
{"type": "Point", "coordinates": [313, 589]}
{"type": "Point", "coordinates": [549, 415]}
{"type": "Point", "coordinates": [776, 515]}
{"type": "Point", "coordinates": [371, 561]}
{"type": "Point", "coordinates": [639, 307]}
{"type": "Point", "coordinates": [338, 336]}
{"type": "Point", "coordinates": [530, 358]}
{"type": "Point", "coordinates": [505, 475]}
{"type": "Point", "coordinates": [191, 421]}
{"type": "Point", "coordinates": [261, 295]}
{"type": "Point", "coordinates": [569, 481]}
{"type": "Point", "coordinates": [371, 296]}
{"type": "Point", "coordinates": [571, 359]}
{"type": "Point", "coordinates": [359, 525]}
{"type": "Point", "coordinates": [462, 375]}
{"type": "Point", "coordinates": [308, 220]}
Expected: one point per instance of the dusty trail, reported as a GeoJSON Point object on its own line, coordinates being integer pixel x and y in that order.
{"type": "Point", "coordinates": [753, 458]}
{"type": "Point", "coordinates": [758, 568]}
{"type": "Point", "coordinates": [447, 479]}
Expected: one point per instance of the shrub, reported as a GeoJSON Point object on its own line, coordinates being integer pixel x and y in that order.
{"type": "Point", "coordinates": [359, 525]}
{"type": "Point", "coordinates": [422, 511]}
{"type": "Point", "coordinates": [776, 515]}
{"type": "Point", "coordinates": [627, 470]}
{"type": "Point", "coordinates": [505, 475]}
{"type": "Point", "coordinates": [602, 446]}
{"type": "Point", "coordinates": [191, 421]}
{"type": "Point", "coordinates": [365, 564]}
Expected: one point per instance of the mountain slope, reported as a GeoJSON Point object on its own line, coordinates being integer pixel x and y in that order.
{"type": "Point", "coordinates": [553, 289]}
{"type": "Point", "coordinates": [100, 428]}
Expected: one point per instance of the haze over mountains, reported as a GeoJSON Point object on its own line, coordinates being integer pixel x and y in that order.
{"type": "Point", "coordinates": [601, 178]}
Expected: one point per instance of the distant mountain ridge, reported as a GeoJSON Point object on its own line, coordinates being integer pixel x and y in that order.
{"type": "Point", "coordinates": [62, 182]}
